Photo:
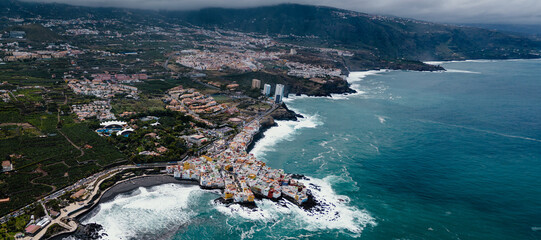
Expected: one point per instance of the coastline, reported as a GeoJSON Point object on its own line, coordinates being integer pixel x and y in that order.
{"type": "Point", "coordinates": [260, 135]}
{"type": "Point", "coordinates": [125, 186]}
{"type": "Point", "coordinates": [132, 184]}
{"type": "Point", "coordinates": [253, 141]}
{"type": "Point", "coordinates": [147, 181]}
{"type": "Point", "coordinates": [283, 113]}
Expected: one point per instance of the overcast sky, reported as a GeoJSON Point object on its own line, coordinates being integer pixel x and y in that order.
{"type": "Point", "coordinates": [450, 11]}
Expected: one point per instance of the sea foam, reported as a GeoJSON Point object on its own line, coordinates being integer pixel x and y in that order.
{"type": "Point", "coordinates": [332, 213]}
{"type": "Point", "coordinates": [354, 79]}
{"type": "Point", "coordinates": [145, 211]}
{"type": "Point", "coordinates": [285, 131]}
{"type": "Point", "coordinates": [460, 71]}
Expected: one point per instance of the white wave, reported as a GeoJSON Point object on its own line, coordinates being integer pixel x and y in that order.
{"type": "Point", "coordinates": [335, 212]}
{"type": "Point", "coordinates": [285, 131]}
{"type": "Point", "coordinates": [484, 131]}
{"type": "Point", "coordinates": [146, 211]}
{"type": "Point", "coordinates": [354, 79]}
{"type": "Point", "coordinates": [484, 60]}
{"type": "Point", "coordinates": [480, 61]}
{"type": "Point", "coordinates": [334, 139]}
{"type": "Point", "coordinates": [434, 62]}
{"type": "Point", "coordinates": [265, 211]}
{"type": "Point", "coordinates": [460, 71]}
{"type": "Point", "coordinates": [381, 119]}
{"type": "Point", "coordinates": [375, 147]}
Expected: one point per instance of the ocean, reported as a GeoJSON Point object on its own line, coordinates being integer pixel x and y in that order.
{"type": "Point", "coordinates": [412, 155]}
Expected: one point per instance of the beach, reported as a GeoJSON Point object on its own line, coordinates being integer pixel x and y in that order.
{"type": "Point", "coordinates": [129, 185]}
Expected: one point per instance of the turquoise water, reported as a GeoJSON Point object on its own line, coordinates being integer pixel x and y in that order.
{"type": "Point", "coordinates": [414, 155]}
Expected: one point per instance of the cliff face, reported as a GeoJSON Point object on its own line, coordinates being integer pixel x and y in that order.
{"type": "Point", "coordinates": [267, 122]}
{"type": "Point", "coordinates": [334, 86]}
{"type": "Point", "coordinates": [283, 113]}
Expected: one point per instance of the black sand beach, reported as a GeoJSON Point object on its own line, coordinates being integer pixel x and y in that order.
{"type": "Point", "coordinates": [145, 181]}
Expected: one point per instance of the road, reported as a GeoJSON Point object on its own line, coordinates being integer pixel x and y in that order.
{"type": "Point", "coordinates": [89, 181]}
{"type": "Point", "coordinates": [169, 59]}
{"type": "Point", "coordinates": [78, 184]}
{"type": "Point", "coordinates": [74, 207]}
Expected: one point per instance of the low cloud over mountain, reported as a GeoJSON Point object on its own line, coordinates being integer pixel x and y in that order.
{"type": "Point", "coordinates": [453, 11]}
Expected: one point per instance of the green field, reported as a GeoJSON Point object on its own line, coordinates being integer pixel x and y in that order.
{"type": "Point", "coordinates": [130, 105]}
{"type": "Point", "coordinates": [51, 162]}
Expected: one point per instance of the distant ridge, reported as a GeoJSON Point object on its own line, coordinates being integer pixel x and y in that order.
{"type": "Point", "coordinates": [378, 36]}
{"type": "Point", "coordinates": [388, 37]}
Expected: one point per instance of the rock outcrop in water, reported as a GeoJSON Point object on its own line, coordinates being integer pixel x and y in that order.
{"type": "Point", "coordinates": [89, 231]}
{"type": "Point", "coordinates": [284, 113]}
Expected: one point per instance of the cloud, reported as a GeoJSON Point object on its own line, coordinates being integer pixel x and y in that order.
{"type": "Point", "coordinates": [451, 11]}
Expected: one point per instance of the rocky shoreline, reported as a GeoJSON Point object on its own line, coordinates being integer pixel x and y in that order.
{"type": "Point", "coordinates": [281, 113]}
{"type": "Point", "coordinates": [135, 183]}
{"type": "Point", "coordinates": [91, 230]}
{"type": "Point", "coordinates": [341, 86]}
{"type": "Point", "coordinates": [284, 113]}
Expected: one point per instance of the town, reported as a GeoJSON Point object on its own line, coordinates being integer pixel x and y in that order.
{"type": "Point", "coordinates": [240, 174]}
{"type": "Point", "coordinates": [85, 106]}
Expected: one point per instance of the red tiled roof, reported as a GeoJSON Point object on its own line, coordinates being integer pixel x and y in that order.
{"type": "Point", "coordinates": [32, 229]}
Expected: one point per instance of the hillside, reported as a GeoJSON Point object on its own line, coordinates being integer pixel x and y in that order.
{"type": "Point", "coordinates": [388, 37]}
{"type": "Point", "coordinates": [378, 37]}
{"type": "Point", "coordinates": [36, 33]}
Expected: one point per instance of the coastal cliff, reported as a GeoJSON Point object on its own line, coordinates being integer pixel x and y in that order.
{"type": "Point", "coordinates": [284, 113]}
{"type": "Point", "coordinates": [336, 86]}
{"type": "Point", "coordinates": [281, 113]}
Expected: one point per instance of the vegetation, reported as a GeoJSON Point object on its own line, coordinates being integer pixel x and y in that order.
{"type": "Point", "coordinates": [50, 148]}
{"type": "Point", "coordinates": [53, 229]}
{"type": "Point", "coordinates": [162, 85]}
{"type": "Point", "coordinates": [32, 137]}
{"type": "Point", "coordinates": [131, 105]}
{"type": "Point", "coordinates": [38, 73]}
{"type": "Point", "coordinates": [385, 37]}
{"type": "Point", "coordinates": [36, 33]}
{"type": "Point", "coordinates": [150, 138]}
{"type": "Point", "coordinates": [13, 226]}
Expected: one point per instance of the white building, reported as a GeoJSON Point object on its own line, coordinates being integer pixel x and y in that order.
{"type": "Point", "coordinates": [267, 89]}
{"type": "Point", "coordinates": [279, 93]}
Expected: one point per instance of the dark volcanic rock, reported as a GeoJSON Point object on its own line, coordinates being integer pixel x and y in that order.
{"type": "Point", "coordinates": [89, 232]}
{"type": "Point", "coordinates": [298, 176]}
{"type": "Point", "coordinates": [311, 203]}
{"type": "Point", "coordinates": [266, 123]}
{"type": "Point", "coordinates": [250, 205]}
{"type": "Point", "coordinates": [283, 113]}
{"type": "Point", "coordinates": [337, 86]}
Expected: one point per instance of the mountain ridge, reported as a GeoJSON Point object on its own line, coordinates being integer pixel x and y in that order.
{"type": "Point", "coordinates": [389, 37]}
{"type": "Point", "coordinates": [384, 37]}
